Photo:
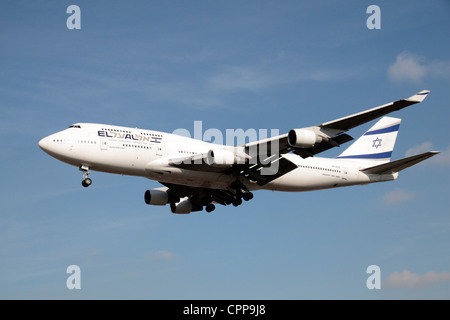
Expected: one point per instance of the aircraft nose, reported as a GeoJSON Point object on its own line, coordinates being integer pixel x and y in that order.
{"type": "Point", "coordinates": [43, 143]}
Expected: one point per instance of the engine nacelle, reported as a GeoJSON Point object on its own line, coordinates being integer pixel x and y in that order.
{"type": "Point", "coordinates": [220, 157]}
{"type": "Point", "coordinates": [159, 196]}
{"type": "Point", "coordinates": [182, 207]}
{"type": "Point", "coordinates": [303, 138]}
{"type": "Point", "coordinates": [185, 206]}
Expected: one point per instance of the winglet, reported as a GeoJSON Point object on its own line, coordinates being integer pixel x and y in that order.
{"type": "Point", "coordinates": [419, 97]}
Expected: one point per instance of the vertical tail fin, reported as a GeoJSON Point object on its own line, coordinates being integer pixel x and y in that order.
{"type": "Point", "coordinates": [377, 144]}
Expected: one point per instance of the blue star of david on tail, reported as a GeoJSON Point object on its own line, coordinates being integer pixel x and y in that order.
{"type": "Point", "coordinates": [377, 143]}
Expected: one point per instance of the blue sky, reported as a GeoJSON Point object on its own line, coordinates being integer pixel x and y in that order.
{"type": "Point", "coordinates": [231, 64]}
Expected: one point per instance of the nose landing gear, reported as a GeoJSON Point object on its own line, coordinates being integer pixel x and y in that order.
{"type": "Point", "coordinates": [86, 181]}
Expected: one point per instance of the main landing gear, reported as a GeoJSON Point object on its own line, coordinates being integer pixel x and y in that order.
{"type": "Point", "coordinates": [241, 193]}
{"type": "Point", "coordinates": [86, 181]}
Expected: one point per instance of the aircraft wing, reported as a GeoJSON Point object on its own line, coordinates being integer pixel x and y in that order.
{"type": "Point", "coordinates": [262, 161]}
{"type": "Point", "coordinates": [331, 134]}
{"type": "Point", "coordinates": [354, 120]}
{"type": "Point", "coordinates": [261, 171]}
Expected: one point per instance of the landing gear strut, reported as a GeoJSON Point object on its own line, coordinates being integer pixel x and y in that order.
{"type": "Point", "coordinates": [86, 181]}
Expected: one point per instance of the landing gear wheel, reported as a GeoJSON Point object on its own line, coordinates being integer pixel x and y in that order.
{"type": "Point", "coordinates": [247, 196]}
{"type": "Point", "coordinates": [237, 202]}
{"type": "Point", "coordinates": [210, 208]}
{"type": "Point", "coordinates": [86, 182]}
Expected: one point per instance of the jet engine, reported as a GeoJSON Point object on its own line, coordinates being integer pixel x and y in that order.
{"type": "Point", "coordinates": [303, 138]}
{"type": "Point", "coordinates": [159, 196]}
{"type": "Point", "coordinates": [184, 206]}
{"type": "Point", "coordinates": [220, 157]}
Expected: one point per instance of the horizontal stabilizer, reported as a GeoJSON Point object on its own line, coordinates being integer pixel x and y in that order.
{"type": "Point", "coordinates": [396, 166]}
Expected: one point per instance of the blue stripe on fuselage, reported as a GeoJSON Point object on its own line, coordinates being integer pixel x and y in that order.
{"type": "Point", "coordinates": [381, 155]}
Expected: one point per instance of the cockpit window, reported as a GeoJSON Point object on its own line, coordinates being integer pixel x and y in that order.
{"type": "Point", "coordinates": [75, 126]}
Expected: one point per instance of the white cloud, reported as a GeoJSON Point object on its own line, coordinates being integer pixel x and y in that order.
{"type": "Point", "coordinates": [397, 197]}
{"type": "Point", "coordinates": [407, 279]}
{"type": "Point", "coordinates": [95, 253]}
{"type": "Point", "coordinates": [255, 78]}
{"type": "Point", "coordinates": [424, 147]}
{"type": "Point", "coordinates": [412, 68]}
{"type": "Point", "coordinates": [241, 78]}
{"type": "Point", "coordinates": [160, 255]}
{"type": "Point", "coordinates": [408, 67]}
{"type": "Point", "coordinates": [443, 158]}
{"type": "Point", "coordinates": [439, 69]}
{"type": "Point", "coordinates": [258, 77]}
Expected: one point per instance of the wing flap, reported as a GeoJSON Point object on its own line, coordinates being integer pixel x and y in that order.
{"type": "Point", "coordinates": [261, 168]}
{"type": "Point", "coordinates": [263, 174]}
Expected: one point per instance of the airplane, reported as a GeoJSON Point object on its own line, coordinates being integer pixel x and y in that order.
{"type": "Point", "coordinates": [197, 175]}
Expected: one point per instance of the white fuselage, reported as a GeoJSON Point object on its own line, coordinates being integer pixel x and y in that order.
{"type": "Point", "coordinates": [145, 153]}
